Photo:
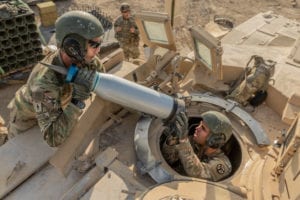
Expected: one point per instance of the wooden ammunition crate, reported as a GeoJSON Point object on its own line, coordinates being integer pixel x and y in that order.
{"type": "Point", "coordinates": [48, 13]}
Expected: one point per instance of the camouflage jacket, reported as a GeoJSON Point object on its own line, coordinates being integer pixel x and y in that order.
{"type": "Point", "coordinates": [125, 36]}
{"type": "Point", "coordinates": [45, 98]}
{"type": "Point", "coordinates": [213, 167]}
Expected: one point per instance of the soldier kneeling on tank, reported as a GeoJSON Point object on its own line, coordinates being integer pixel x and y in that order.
{"type": "Point", "coordinates": [200, 154]}
{"type": "Point", "coordinates": [48, 99]}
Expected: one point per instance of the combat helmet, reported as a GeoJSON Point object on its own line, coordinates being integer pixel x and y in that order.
{"type": "Point", "coordinates": [124, 7]}
{"type": "Point", "coordinates": [220, 128]}
{"type": "Point", "coordinates": [75, 28]}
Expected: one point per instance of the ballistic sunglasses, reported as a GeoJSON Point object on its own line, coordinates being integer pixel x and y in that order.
{"type": "Point", "coordinates": [94, 44]}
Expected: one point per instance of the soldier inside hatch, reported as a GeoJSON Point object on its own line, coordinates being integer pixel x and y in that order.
{"type": "Point", "coordinates": [200, 154]}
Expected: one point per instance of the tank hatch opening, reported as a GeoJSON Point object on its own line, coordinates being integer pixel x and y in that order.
{"type": "Point", "coordinates": [231, 148]}
{"type": "Point", "coordinates": [150, 136]}
{"type": "Point", "coordinates": [151, 133]}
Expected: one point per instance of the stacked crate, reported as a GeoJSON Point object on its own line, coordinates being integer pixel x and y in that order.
{"type": "Point", "coordinates": [48, 13]}
{"type": "Point", "coordinates": [20, 45]}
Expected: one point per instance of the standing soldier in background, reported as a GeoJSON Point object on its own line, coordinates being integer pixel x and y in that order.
{"type": "Point", "coordinates": [127, 33]}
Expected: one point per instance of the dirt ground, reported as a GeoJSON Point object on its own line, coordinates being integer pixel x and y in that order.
{"type": "Point", "coordinates": [194, 12]}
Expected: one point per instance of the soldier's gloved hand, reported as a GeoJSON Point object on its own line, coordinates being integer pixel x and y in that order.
{"type": "Point", "coordinates": [181, 125]}
{"type": "Point", "coordinates": [85, 78]}
{"type": "Point", "coordinates": [80, 92]}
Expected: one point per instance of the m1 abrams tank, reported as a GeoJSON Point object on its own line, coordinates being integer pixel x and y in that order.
{"type": "Point", "coordinates": [121, 135]}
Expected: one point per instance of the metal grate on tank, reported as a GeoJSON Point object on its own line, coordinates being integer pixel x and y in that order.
{"type": "Point", "coordinates": [20, 44]}
{"type": "Point", "coordinates": [106, 20]}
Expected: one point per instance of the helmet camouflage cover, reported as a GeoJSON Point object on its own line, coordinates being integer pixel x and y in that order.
{"type": "Point", "coordinates": [218, 123]}
{"type": "Point", "coordinates": [77, 22]}
{"type": "Point", "coordinates": [124, 7]}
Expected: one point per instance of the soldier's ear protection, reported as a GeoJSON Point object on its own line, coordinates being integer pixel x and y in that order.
{"type": "Point", "coordinates": [215, 140]}
{"type": "Point", "coordinates": [74, 48]}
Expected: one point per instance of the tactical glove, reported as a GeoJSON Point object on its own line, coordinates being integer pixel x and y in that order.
{"type": "Point", "coordinates": [181, 125]}
{"type": "Point", "coordinates": [80, 92]}
{"type": "Point", "coordinates": [85, 78]}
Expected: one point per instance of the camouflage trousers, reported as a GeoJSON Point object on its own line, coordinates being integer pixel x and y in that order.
{"type": "Point", "coordinates": [3, 132]}
{"type": "Point", "coordinates": [19, 123]}
{"type": "Point", "coordinates": [130, 51]}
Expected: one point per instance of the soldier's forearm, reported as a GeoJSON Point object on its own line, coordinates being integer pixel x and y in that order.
{"type": "Point", "coordinates": [169, 152]}
{"type": "Point", "coordinates": [57, 128]}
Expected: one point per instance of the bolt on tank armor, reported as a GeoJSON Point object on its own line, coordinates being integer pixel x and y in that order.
{"type": "Point", "coordinates": [74, 29]}
{"type": "Point", "coordinates": [220, 128]}
{"type": "Point", "coordinates": [124, 7]}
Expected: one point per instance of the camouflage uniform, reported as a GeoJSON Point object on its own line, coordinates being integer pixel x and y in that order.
{"type": "Point", "coordinates": [3, 131]}
{"type": "Point", "coordinates": [45, 100]}
{"type": "Point", "coordinates": [213, 167]}
{"type": "Point", "coordinates": [129, 42]}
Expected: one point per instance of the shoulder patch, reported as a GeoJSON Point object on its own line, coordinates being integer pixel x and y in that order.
{"type": "Point", "coordinates": [220, 169]}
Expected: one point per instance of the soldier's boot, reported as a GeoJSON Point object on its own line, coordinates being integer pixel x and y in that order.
{"type": "Point", "coordinates": [294, 3]}
{"type": "Point", "coordinates": [3, 135]}
{"type": "Point", "coordinates": [3, 132]}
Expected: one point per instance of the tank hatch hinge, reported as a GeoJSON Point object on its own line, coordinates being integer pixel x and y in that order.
{"type": "Point", "coordinates": [146, 160]}
{"type": "Point", "coordinates": [232, 106]}
{"type": "Point", "coordinates": [146, 169]}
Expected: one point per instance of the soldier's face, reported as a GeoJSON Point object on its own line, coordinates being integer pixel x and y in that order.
{"type": "Point", "coordinates": [93, 48]}
{"type": "Point", "coordinates": [126, 14]}
{"type": "Point", "coordinates": [201, 133]}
